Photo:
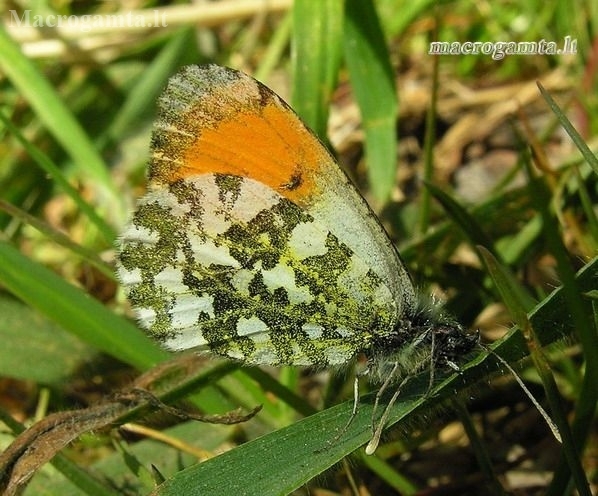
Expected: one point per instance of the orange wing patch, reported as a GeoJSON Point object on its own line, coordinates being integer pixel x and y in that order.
{"type": "Point", "coordinates": [266, 142]}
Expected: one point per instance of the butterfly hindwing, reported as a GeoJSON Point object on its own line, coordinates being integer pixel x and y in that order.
{"type": "Point", "coordinates": [226, 263]}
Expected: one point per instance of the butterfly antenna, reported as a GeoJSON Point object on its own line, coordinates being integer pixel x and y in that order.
{"type": "Point", "coordinates": [552, 426]}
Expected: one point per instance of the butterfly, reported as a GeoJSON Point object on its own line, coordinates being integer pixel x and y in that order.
{"type": "Point", "coordinates": [252, 243]}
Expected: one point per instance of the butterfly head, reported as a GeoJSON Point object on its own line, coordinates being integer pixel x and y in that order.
{"type": "Point", "coordinates": [427, 338]}
{"type": "Point", "coordinates": [447, 339]}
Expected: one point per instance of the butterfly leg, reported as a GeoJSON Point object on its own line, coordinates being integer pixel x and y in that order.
{"type": "Point", "coordinates": [358, 375]}
{"type": "Point", "coordinates": [381, 392]}
{"type": "Point", "coordinates": [432, 364]}
{"type": "Point", "coordinates": [377, 432]}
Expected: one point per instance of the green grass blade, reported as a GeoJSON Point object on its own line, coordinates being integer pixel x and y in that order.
{"type": "Point", "coordinates": [509, 291]}
{"type": "Point", "coordinates": [388, 474]}
{"type": "Point", "coordinates": [397, 24]}
{"type": "Point", "coordinates": [75, 311]}
{"type": "Point", "coordinates": [276, 48]}
{"type": "Point", "coordinates": [571, 131]}
{"type": "Point", "coordinates": [477, 236]}
{"type": "Point", "coordinates": [28, 338]}
{"type": "Point", "coordinates": [482, 456]}
{"type": "Point", "coordinates": [269, 384]}
{"type": "Point", "coordinates": [316, 55]}
{"type": "Point", "coordinates": [90, 256]}
{"type": "Point", "coordinates": [149, 85]}
{"type": "Point", "coordinates": [373, 82]}
{"type": "Point", "coordinates": [588, 207]}
{"type": "Point", "coordinates": [55, 115]}
{"type": "Point", "coordinates": [57, 176]}
{"type": "Point", "coordinates": [470, 227]}
{"type": "Point", "coordinates": [81, 477]}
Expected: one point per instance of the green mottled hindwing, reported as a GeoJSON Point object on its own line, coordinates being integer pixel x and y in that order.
{"type": "Point", "coordinates": [225, 264]}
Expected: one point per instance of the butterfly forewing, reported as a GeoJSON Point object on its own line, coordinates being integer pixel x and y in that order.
{"type": "Point", "coordinates": [251, 242]}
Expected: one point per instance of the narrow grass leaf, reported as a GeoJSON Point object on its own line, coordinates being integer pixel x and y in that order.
{"type": "Point", "coordinates": [373, 82]}
{"type": "Point", "coordinates": [513, 295]}
{"type": "Point", "coordinates": [76, 311]}
{"type": "Point", "coordinates": [275, 50]}
{"type": "Point", "coordinates": [571, 131]}
{"type": "Point", "coordinates": [55, 115]}
{"type": "Point", "coordinates": [470, 227]}
{"type": "Point", "coordinates": [149, 85]}
{"type": "Point", "coordinates": [588, 208]}
{"type": "Point", "coordinates": [57, 176]}
{"type": "Point", "coordinates": [28, 338]}
{"type": "Point", "coordinates": [58, 237]}
{"type": "Point", "coordinates": [316, 55]}
{"type": "Point", "coordinates": [481, 453]}
{"type": "Point", "coordinates": [82, 478]}
{"type": "Point", "coordinates": [514, 248]}
{"type": "Point", "coordinates": [409, 11]}
{"type": "Point", "coordinates": [388, 474]}
{"type": "Point", "coordinates": [485, 246]}
{"type": "Point", "coordinates": [510, 294]}
{"type": "Point", "coordinates": [271, 385]}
